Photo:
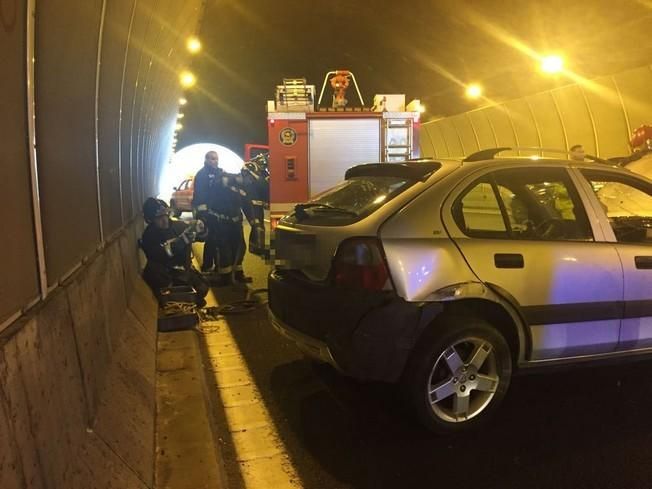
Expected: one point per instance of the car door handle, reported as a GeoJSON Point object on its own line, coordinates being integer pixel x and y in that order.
{"type": "Point", "coordinates": [643, 262]}
{"type": "Point", "coordinates": [509, 260]}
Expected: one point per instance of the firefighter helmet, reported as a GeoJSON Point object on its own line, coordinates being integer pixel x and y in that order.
{"type": "Point", "coordinates": [641, 138]}
{"type": "Point", "coordinates": [153, 208]}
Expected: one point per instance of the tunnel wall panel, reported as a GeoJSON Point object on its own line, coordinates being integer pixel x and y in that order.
{"type": "Point", "coordinates": [19, 277]}
{"type": "Point", "coordinates": [466, 133]}
{"type": "Point", "coordinates": [548, 122]}
{"type": "Point", "coordinates": [500, 120]}
{"type": "Point", "coordinates": [77, 359]}
{"type": "Point", "coordinates": [129, 88]}
{"type": "Point", "coordinates": [598, 114]}
{"type": "Point", "coordinates": [522, 124]}
{"type": "Point", "coordinates": [78, 389]}
{"type": "Point", "coordinates": [610, 123]}
{"type": "Point", "coordinates": [440, 143]}
{"type": "Point", "coordinates": [114, 44]}
{"type": "Point", "coordinates": [65, 108]}
{"type": "Point", "coordinates": [577, 118]}
{"type": "Point", "coordinates": [452, 138]}
{"type": "Point", "coordinates": [634, 89]}
{"type": "Point", "coordinates": [483, 130]}
{"type": "Point", "coordinates": [427, 142]}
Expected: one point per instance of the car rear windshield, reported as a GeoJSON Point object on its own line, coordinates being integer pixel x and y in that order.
{"type": "Point", "coordinates": [350, 201]}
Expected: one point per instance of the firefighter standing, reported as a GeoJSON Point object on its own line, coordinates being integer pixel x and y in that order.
{"type": "Point", "coordinates": [206, 180]}
{"type": "Point", "coordinates": [255, 182]}
{"type": "Point", "coordinates": [167, 246]}
{"type": "Point", "coordinates": [228, 202]}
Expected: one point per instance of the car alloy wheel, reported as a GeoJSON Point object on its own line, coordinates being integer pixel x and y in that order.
{"type": "Point", "coordinates": [458, 374]}
{"type": "Point", "coordinates": [463, 380]}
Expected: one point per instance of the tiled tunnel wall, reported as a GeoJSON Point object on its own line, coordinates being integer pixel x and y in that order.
{"type": "Point", "coordinates": [88, 103]}
{"type": "Point", "coordinates": [600, 114]}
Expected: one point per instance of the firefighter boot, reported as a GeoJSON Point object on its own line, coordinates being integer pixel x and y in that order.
{"type": "Point", "coordinates": [240, 277]}
{"type": "Point", "coordinates": [222, 280]}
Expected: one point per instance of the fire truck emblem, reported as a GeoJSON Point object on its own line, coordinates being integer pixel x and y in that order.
{"type": "Point", "coordinates": [288, 136]}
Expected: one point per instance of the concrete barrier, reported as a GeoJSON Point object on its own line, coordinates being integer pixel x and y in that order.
{"type": "Point", "coordinates": [77, 381]}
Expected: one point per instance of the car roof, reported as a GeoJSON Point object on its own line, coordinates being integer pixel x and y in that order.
{"type": "Point", "coordinates": [490, 157]}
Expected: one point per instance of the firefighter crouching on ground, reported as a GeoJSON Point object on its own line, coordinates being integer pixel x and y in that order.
{"type": "Point", "coordinates": [205, 181]}
{"type": "Point", "coordinates": [167, 246]}
{"type": "Point", "coordinates": [228, 202]}
{"type": "Point", "coordinates": [255, 182]}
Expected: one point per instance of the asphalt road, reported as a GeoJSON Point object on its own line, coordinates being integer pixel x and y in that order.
{"type": "Point", "coordinates": [588, 428]}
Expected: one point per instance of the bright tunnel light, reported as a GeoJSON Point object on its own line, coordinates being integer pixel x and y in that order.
{"type": "Point", "coordinates": [187, 79]}
{"type": "Point", "coordinates": [193, 45]}
{"type": "Point", "coordinates": [552, 64]}
{"type": "Point", "coordinates": [473, 91]}
{"type": "Point", "coordinates": [188, 161]}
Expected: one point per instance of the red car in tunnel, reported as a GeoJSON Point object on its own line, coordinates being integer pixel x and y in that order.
{"type": "Point", "coordinates": [181, 199]}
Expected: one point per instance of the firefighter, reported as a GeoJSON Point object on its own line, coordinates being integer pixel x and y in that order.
{"type": "Point", "coordinates": [206, 180]}
{"type": "Point", "coordinates": [228, 202]}
{"type": "Point", "coordinates": [167, 246]}
{"type": "Point", "coordinates": [255, 182]}
{"type": "Point", "coordinates": [577, 152]}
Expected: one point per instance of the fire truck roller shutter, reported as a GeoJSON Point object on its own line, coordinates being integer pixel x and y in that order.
{"type": "Point", "coordinates": [338, 144]}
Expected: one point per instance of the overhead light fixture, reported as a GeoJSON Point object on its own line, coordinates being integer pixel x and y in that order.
{"type": "Point", "coordinates": [187, 79]}
{"type": "Point", "coordinates": [182, 101]}
{"type": "Point", "coordinates": [552, 64]}
{"type": "Point", "coordinates": [179, 126]}
{"type": "Point", "coordinates": [473, 91]}
{"type": "Point", "coordinates": [193, 45]}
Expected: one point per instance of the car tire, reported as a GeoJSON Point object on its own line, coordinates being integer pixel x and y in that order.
{"type": "Point", "coordinates": [175, 212]}
{"type": "Point", "coordinates": [467, 363]}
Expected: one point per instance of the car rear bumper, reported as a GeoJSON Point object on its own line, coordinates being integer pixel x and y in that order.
{"type": "Point", "coordinates": [366, 335]}
{"type": "Point", "coordinates": [310, 346]}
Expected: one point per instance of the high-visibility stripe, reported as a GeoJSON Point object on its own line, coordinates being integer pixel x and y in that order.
{"type": "Point", "coordinates": [222, 270]}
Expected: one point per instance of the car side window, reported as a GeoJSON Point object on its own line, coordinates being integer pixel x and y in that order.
{"type": "Point", "coordinates": [627, 203]}
{"type": "Point", "coordinates": [524, 203]}
{"type": "Point", "coordinates": [184, 185]}
{"type": "Point", "coordinates": [542, 204]}
{"type": "Point", "coordinates": [478, 214]}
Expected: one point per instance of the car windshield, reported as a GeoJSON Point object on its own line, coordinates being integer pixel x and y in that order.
{"type": "Point", "coordinates": [351, 200]}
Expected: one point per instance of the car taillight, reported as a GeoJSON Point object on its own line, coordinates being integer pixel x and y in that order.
{"type": "Point", "coordinates": [360, 263]}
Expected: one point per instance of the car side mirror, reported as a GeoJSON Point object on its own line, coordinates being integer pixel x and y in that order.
{"type": "Point", "coordinates": [175, 188]}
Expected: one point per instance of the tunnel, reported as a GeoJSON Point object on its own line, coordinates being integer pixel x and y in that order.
{"type": "Point", "coordinates": [89, 98]}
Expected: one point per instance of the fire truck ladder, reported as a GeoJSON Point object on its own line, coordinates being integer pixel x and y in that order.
{"type": "Point", "coordinates": [295, 93]}
{"type": "Point", "coordinates": [398, 139]}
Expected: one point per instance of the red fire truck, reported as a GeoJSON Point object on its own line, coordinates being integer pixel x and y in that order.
{"type": "Point", "coordinates": [309, 150]}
